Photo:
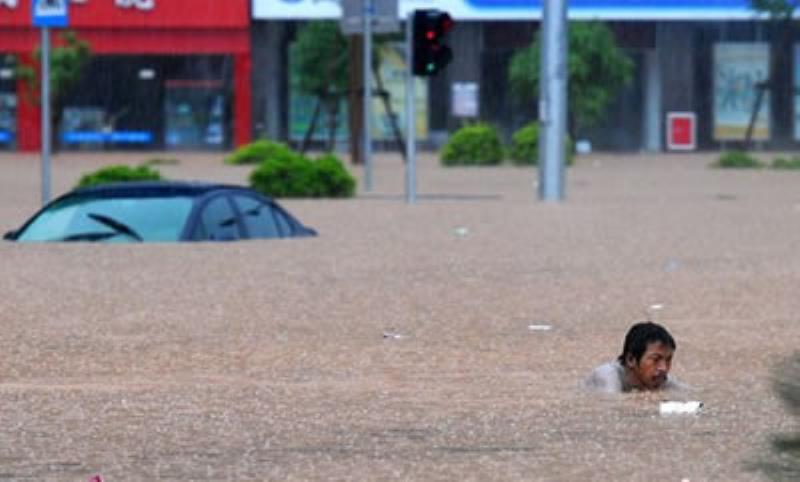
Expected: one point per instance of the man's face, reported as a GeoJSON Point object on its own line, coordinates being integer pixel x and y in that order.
{"type": "Point", "coordinates": [651, 371]}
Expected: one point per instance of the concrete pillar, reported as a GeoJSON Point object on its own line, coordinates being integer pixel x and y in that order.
{"type": "Point", "coordinates": [270, 79]}
{"type": "Point", "coordinates": [466, 41]}
{"type": "Point", "coordinates": [652, 118]}
{"type": "Point", "coordinates": [675, 45]}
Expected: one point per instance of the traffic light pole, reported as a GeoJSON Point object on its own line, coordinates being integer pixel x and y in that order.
{"type": "Point", "coordinates": [411, 131]}
{"type": "Point", "coordinates": [367, 147]}
{"type": "Point", "coordinates": [553, 100]}
{"type": "Point", "coordinates": [46, 134]}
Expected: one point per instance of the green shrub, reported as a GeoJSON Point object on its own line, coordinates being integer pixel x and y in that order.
{"type": "Point", "coordinates": [119, 173]}
{"type": "Point", "coordinates": [473, 145]}
{"type": "Point", "coordinates": [333, 178]}
{"type": "Point", "coordinates": [257, 152]}
{"type": "Point", "coordinates": [737, 160]}
{"type": "Point", "coordinates": [525, 147]}
{"type": "Point", "coordinates": [293, 175]}
{"type": "Point", "coordinates": [285, 176]}
{"type": "Point", "coordinates": [783, 163]}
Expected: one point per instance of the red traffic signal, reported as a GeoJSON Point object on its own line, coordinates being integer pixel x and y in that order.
{"type": "Point", "coordinates": [431, 55]}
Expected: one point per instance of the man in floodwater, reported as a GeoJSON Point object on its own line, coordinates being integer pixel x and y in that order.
{"type": "Point", "coordinates": [643, 365]}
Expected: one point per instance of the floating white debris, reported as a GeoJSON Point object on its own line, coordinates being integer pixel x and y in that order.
{"type": "Point", "coordinates": [390, 335]}
{"type": "Point", "coordinates": [656, 307]}
{"type": "Point", "coordinates": [680, 408]}
{"type": "Point", "coordinates": [461, 231]}
{"type": "Point", "coordinates": [540, 327]}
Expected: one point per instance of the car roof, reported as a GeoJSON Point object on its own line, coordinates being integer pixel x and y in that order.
{"type": "Point", "coordinates": [188, 188]}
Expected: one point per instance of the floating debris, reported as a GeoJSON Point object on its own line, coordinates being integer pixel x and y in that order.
{"type": "Point", "coordinates": [651, 311]}
{"type": "Point", "coordinates": [390, 335]}
{"type": "Point", "coordinates": [540, 327]}
{"type": "Point", "coordinates": [461, 231]}
{"type": "Point", "coordinates": [680, 408]}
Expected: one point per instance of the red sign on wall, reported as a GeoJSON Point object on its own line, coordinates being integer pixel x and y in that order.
{"type": "Point", "coordinates": [139, 13]}
{"type": "Point", "coordinates": [681, 131]}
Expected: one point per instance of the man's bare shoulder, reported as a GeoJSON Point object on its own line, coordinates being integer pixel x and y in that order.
{"type": "Point", "coordinates": [606, 378]}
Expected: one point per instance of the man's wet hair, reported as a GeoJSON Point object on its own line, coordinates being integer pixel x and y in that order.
{"type": "Point", "coordinates": [642, 334]}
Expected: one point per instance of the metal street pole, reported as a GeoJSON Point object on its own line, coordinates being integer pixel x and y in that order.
{"type": "Point", "coordinates": [45, 101]}
{"type": "Point", "coordinates": [553, 100]}
{"type": "Point", "coordinates": [367, 148]}
{"type": "Point", "coordinates": [411, 128]}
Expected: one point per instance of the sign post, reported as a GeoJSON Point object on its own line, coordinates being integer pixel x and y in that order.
{"type": "Point", "coordinates": [47, 14]}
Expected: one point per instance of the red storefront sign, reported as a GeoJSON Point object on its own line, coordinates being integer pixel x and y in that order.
{"type": "Point", "coordinates": [147, 14]}
{"type": "Point", "coordinates": [681, 131]}
{"type": "Point", "coordinates": [141, 27]}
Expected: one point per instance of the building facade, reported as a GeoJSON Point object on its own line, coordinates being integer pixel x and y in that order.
{"type": "Point", "coordinates": [706, 59]}
{"type": "Point", "coordinates": [164, 74]}
{"type": "Point", "coordinates": [210, 75]}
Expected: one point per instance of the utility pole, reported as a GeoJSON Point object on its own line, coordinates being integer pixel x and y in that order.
{"type": "Point", "coordinates": [553, 100]}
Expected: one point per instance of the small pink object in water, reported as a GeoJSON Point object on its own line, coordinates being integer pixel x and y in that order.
{"type": "Point", "coordinates": [96, 478]}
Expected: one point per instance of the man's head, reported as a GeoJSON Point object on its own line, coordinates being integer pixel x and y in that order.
{"type": "Point", "coordinates": [647, 354]}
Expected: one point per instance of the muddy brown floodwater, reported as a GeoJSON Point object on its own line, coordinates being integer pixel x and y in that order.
{"type": "Point", "coordinates": [396, 345]}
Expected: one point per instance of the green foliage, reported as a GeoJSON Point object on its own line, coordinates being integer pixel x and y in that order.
{"type": "Point", "coordinates": [119, 173]}
{"type": "Point", "coordinates": [782, 9]}
{"type": "Point", "coordinates": [319, 57]}
{"type": "Point", "coordinates": [333, 178]}
{"type": "Point", "coordinates": [788, 164]}
{"type": "Point", "coordinates": [473, 145]}
{"type": "Point", "coordinates": [294, 175]}
{"type": "Point", "coordinates": [257, 152]}
{"type": "Point", "coordinates": [737, 160]}
{"type": "Point", "coordinates": [598, 69]}
{"type": "Point", "coordinates": [525, 147]}
{"type": "Point", "coordinates": [68, 58]}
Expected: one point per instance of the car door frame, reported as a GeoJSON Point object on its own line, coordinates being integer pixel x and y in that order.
{"type": "Point", "coordinates": [273, 206]}
{"type": "Point", "coordinates": [196, 216]}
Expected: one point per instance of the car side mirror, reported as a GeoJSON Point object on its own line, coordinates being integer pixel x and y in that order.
{"type": "Point", "coordinates": [10, 236]}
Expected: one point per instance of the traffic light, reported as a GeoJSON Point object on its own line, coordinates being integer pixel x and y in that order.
{"type": "Point", "coordinates": [431, 55]}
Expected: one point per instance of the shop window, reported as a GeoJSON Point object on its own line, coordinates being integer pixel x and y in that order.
{"type": "Point", "coordinates": [195, 114]}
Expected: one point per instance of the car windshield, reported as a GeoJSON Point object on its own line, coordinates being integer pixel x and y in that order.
{"type": "Point", "coordinates": [118, 219]}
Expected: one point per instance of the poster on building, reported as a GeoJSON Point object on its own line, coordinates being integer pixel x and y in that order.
{"type": "Point", "coordinates": [797, 92]}
{"type": "Point", "coordinates": [392, 82]}
{"type": "Point", "coordinates": [464, 99]}
{"type": "Point", "coordinates": [738, 69]}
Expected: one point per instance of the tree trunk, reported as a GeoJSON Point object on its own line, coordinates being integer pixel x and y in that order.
{"type": "Point", "coordinates": [333, 121]}
{"type": "Point", "coordinates": [387, 105]}
{"type": "Point", "coordinates": [312, 126]}
{"type": "Point", "coordinates": [355, 110]}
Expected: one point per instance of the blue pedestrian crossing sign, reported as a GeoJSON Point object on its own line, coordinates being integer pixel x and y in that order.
{"type": "Point", "coordinates": [50, 13]}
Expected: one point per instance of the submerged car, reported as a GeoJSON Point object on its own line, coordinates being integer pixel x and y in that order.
{"type": "Point", "coordinates": [160, 211]}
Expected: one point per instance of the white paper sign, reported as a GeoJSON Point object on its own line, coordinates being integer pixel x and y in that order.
{"type": "Point", "coordinates": [465, 99]}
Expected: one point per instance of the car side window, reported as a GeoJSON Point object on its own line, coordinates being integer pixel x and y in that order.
{"type": "Point", "coordinates": [285, 226]}
{"type": "Point", "coordinates": [259, 218]}
{"type": "Point", "coordinates": [218, 221]}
